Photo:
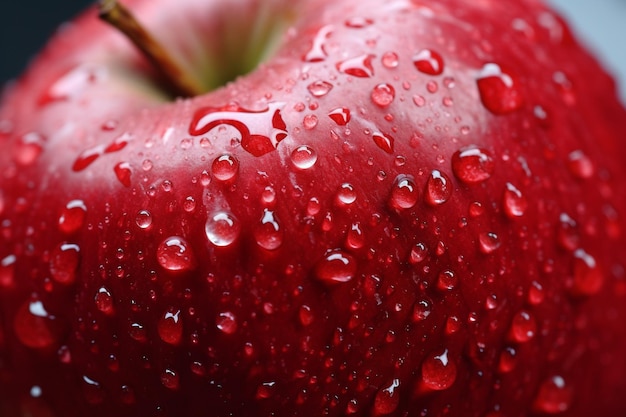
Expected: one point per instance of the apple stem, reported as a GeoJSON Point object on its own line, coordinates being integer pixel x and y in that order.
{"type": "Point", "coordinates": [116, 14]}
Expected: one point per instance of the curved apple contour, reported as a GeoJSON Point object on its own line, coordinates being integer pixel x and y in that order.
{"type": "Point", "coordinates": [404, 208]}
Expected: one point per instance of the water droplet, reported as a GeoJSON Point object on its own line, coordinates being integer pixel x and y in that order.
{"type": "Point", "coordinates": [226, 322]}
{"type": "Point", "coordinates": [265, 390]}
{"type": "Point", "coordinates": [319, 88]}
{"type": "Point", "coordinates": [383, 94]}
{"type": "Point", "coordinates": [447, 280]}
{"type": "Point", "coordinates": [567, 233]}
{"type": "Point", "coordinates": [390, 60]}
{"type": "Point", "coordinates": [360, 66]}
{"type": "Point", "coordinates": [554, 396]}
{"type": "Point", "coordinates": [335, 267]}
{"type": "Point", "coordinates": [28, 148]}
{"type": "Point", "coordinates": [387, 399]}
{"type": "Point", "coordinates": [421, 310]}
{"type": "Point", "coordinates": [438, 188]}
{"type": "Point", "coordinates": [143, 219]}
{"type": "Point", "coordinates": [138, 332]}
{"type": "Point", "coordinates": [189, 204]}
{"type": "Point", "coordinates": [346, 195]}
{"type": "Point", "coordinates": [418, 253]}
{"type": "Point", "coordinates": [508, 360]}
{"type": "Point", "coordinates": [432, 87]}
{"type": "Point", "coordinates": [170, 379]}
{"type": "Point", "coordinates": [438, 372]}
{"type": "Point", "coordinates": [488, 242]}
{"type": "Point", "coordinates": [93, 391]}
{"type": "Point", "coordinates": [174, 254]}
{"type": "Point", "coordinates": [358, 22]}
{"type": "Point", "coordinates": [428, 61]}
{"type": "Point", "coordinates": [7, 271]}
{"type": "Point", "coordinates": [123, 173]}
{"type": "Point", "coordinates": [64, 261]}
{"type": "Point", "coordinates": [340, 115]}
{"type": "Point", "coordinates": [419, 101]}
{"type": "Point", "coordinates": [523, 327]}
{"type": "Point", "coordinates": [404, 193]}
{"type": "Point", "coordinates": [104, 301]}
{"type": "Point", "coordinates": [472, 165]}
{"type": "Point", "coordinates": [499, 92]}
{"type": "Point", "coordinates": [72, 217]}
{"type": "Point", "coordinates": [310, 121]}
{"type": "Point", "coordinates": [536, 293]}
{"type": "Point", "coordinates": [35, 327]}
{"type": "Point", "coordinates": [580, 165]}
{"type": "Point", "coordinates": [306, 316]}
{"type": "Point", "coordinates": [225, 167]}
{"type": "Point", "coordinates": [268, 233]}
{"type": "Point", "coordinates": [514, 202]}
{"type": "Point", "coordinates": [384, 141]}
{"type": "Point", "coordinates": [313, 207]}
{"type": "Point", "coordinates": [355, 238]}
{"type": "Point", "coordinates": [222, 229]}
{"type": "Point", "coordinates": [317, 52]}
{"type": "Point", "coordinates": [170, 327]}
{"type": "Point", "coordinates": [588, 277]}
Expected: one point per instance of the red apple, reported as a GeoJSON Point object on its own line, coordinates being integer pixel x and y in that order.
{"type": "Point", "coordinates": [370, 208]}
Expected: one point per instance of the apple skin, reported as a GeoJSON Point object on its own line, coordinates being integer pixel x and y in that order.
{"type": "Point", "coordinates": [454, 247]}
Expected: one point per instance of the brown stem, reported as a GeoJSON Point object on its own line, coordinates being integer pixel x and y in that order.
{"type": "Point", "coordinates": [121, 18]}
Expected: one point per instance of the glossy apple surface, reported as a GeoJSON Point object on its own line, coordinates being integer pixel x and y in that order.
{"type": "Point", "coordinates": [405, 208]}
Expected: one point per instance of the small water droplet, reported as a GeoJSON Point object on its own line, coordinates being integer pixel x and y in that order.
{"type": "Point", "coordinates": [499, 92]}
{"type": "Point", "coordinates": [174, 254]}
{"type": "Point", "coordinates": [355, 238]}
{"type": "Point", "coordinates": [189, 204]}
{"type": "Point", "coordinates": [438, 188]}
{"type": "Point", "coordinates": [170, 327]}
{"type": "Point", "coordinates": [305, 315]}
{"type": "Point", "coordinates": [335, 267]}
{"type": "Point", "coordinates": [225, 167]}
{"type": "Point", "coordinates": [472, 165]}
{"type": "Point", "coordinates": [360, 66]}
{"type": "Point", "coordinates": [432, 87]}
{"type": "Point", "coordinates": [123, 173]}
{"type": "Point", "coordinates": [358, 22]}
{"type": "Point", "coordinates": [390, 60]}
{"type": "Point", "coordinates": [536, 293]}
{"type": "Point", "coordinates": [346, 195]}
{"type": "Point", "coordinates": [404, 193]}
{"type": "Point", "coordinates": [268, 196]}
{"type": "Point", "coordinates": [419, 100]}
{"type": "Point", "coordinates": [28, 148]}
{"type": "Point", "coordinates": [418, 253]}
{"type": "Point", "coordinates": [488, 242]}
{"type": "Point", "coordinates": [222, 229]}
{"type": "Point", "coordinates": [438, 372]}
{"type": "Point", "coordinates": [387, 399]}
{"type": "Point", "coordinates": [567, 233]}
{"type": "Point", "coordinates": [310, 121]}
{"type": "Point", "coordinates": [447, 280]}
{"type": "Point", "coordinates": [93, 391]}
{"type": "Point", "coordinates": [143, 219]}
{"type": "Point", "coordinates": [104, 301]}
{"type": "Point", "coordinates": [340, 115]}
{"type": "Point", "coordinates": [523, 327]}
{"type": "Point", "coordinates": [588, 277]}
{"type": "Point", "coordinates": [226, 322]}
{"type": "Point", "coordinates": [554, 396]}
{"type": "Point", "coordinates": [265, 390]}
{"type": "Point", "coordinates": [421, 310]}
{"type": "Point", "coordinates": [384, 141]}
{"type": "Point", "coordinates": [514, 202]}
{"type": "Point", "coordinates": [428, 61]}
{"type": "Point", "coordinates": [319, 88]}
{"type": "Point", "coordinates": [138, 332]}
{"type": "Point", "coordinates": [7, 271]}
{"type": "Point", "coordinates": [383, 94]}
{"type": "Point", "coordinates": [64, 261]}
{"type": "Point", "coordinates": [580, 165]}
{"type": "Point", "coordinates": [170, 379]}
{"type": "Point", "coordinates": [508, 360]}
{"type": "Point", "coordinates": [35, 327]}
{"type": "Point", "coordinates": [72, 217]}
{"type": "Point", "coordinates": [268, 234]}
{"type": "Point", "coordinates": [317, 52]}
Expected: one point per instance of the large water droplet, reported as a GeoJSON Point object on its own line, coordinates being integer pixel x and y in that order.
{"type": "Point", "coordinates": [514, 202]}
{"type": "Point", "coordinates": [554, 396]}
{"type": "Point", "coordinates": [472, 165]}
{"type": "Point", "coordinates": [174, 254]}
{"type": "Point", "coordinates": [170, 327]}
{"type": "Point", "coordinates": [404, 193]}
{"type": "Point", "coordinates": [438, 372]}
{"type": "Point", "coordinates": [303, 157]}
{"type": "Point", "coordinates": [335, 267]}
{"type": "Point", "coordinates": [222, 228]}
{"type": "Point", "coordinates": [64, 261]}
{"type": "Point", "coordinates": [428, 61]}
{"type": "Point", "coordinates": [35, 327]}
{"type": "Point", "coordinates": [588, 277]}
{"type": "Point", "coordinates": [72, 217]}
{"type": "Point", "coordinates": [383, 94]}
{"type": "Point", "coordinates": [268, 234]}
{"type": "Point", "coordinates": [523, 327]}
{"type": "Point", "coordinates": [360, 66]}
{"type": "Point", "coordinates": [143, 219]}
{"type": "Point", "coordinates": [319, 88]}
{"type": "Point", "coordinates": [387, 399]}
{"type": "Point", "coordinates": [499, 92]}
{"type": "Point", "coordinates": [438, 188]}
{"type": "Point", "coordinates": [225, 167]}
{"type": "Point", "coordinates": [346, 195]}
